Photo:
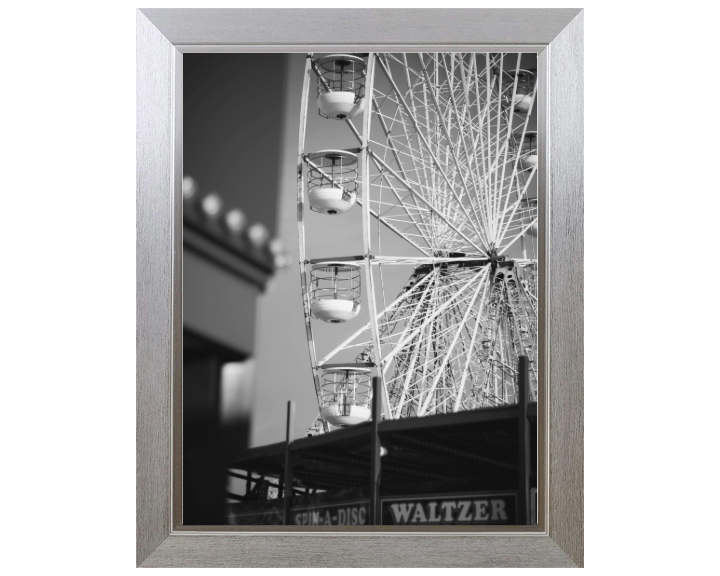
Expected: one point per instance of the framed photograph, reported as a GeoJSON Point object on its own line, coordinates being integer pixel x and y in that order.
{"type": "Point", "coordinates": [360, 288]}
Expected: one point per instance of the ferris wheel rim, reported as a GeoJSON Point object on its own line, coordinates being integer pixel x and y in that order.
{"type": "Point", "coordinates": [507, 228]}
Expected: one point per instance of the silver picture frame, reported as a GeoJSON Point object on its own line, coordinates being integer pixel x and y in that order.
{"type": "Point", "coordinates": [163, 36]}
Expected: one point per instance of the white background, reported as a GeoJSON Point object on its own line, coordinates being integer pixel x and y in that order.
{"type": "Point", "coordinates": [67, 236]}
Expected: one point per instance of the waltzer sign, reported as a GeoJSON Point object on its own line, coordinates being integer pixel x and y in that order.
{"type": "Point", "coordinates": [450, 509]}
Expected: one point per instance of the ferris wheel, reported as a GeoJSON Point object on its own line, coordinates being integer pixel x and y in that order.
{"type": "Point", "coordinates": [445, 165]}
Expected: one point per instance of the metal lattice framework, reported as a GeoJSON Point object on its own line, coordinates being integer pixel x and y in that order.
{"type": "Point", "coordinates": [448, 160]}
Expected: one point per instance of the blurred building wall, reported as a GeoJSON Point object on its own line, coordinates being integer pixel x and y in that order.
{"type": "Point", "coordinates": [232, 125]}
{"type": "Point", "coordinates": [241, 121]}
{"type": "Point", "coordinates": [233, 132]}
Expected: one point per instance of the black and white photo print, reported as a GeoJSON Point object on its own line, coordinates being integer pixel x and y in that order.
{"type": "Point", "coordinates": [360, 285]}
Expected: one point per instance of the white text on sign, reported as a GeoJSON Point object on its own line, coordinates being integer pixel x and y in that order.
{"type": "Point", "coordinates": [476, 511]}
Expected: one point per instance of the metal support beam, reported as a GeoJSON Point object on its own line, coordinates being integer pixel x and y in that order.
{"type": "Point", "coordinates": [374, 516]}
{"type": "Point", "coordinates": [448, 448]}
{"type": "Point", "coordinates": [288, 483]}
{"type": "Point", "coordinates": [524, 446]}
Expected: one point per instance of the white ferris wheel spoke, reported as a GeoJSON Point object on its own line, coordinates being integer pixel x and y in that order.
{"type": "Point", "coordinates": [428, 147]}
{"type": "Point", "coordinates": [522, 233]}
{"type": "Point", "coordinates": [452, 345]}
{"type": "Point", "coordinates": [435, 210]}
{"type": "Point", "coordinates": [430, 318]}
{"type": "Point", "coordinates": [402, 171]}
{"type": "Point", "coordinates": [469, 356]}
{"type": "Point", "coordinates": [506, 146]}
{"type": "Point", "coordinates": [393, 305]}
{"type": "Point", "coordinates": [375, 214]}
{"type": "Point", "coordinates": [517, 203]}
{"type": "Point", "coordinates": [452, 151]}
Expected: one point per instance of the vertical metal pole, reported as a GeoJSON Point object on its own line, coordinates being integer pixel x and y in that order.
{"type": "Point", "coordinates": [524, 446]}
{"type": "Point", "coordinates": [288, 483]}
{"type": "Point", "coordinates": [374, 517]}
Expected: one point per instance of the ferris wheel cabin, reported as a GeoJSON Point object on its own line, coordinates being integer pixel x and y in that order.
{"type": "Point", "coordinates": [341, 86]}
{"type": "Point", "coordinates": [528, 150]}
{"type": "Point", "coordinates": [345, 395]}
{"type": "Point", "coordinates": [335, 291]}
{"type": "Point", "coordinates": [524, 91]}
{"type": "Point", "coordinates": [332, 181]}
